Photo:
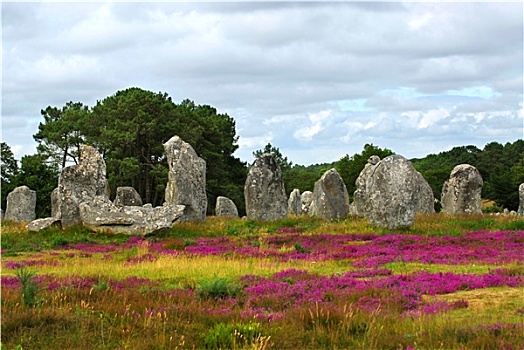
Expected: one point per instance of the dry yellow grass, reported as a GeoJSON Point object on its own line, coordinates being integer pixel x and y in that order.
{"type": "Point", "coordinates": [504, 299]}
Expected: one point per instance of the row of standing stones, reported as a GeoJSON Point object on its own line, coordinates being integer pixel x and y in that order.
{"type": "Point", "coordinates": [389, 193]}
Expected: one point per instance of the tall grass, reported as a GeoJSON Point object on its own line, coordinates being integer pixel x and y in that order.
{"type": "Point", "coordinates": [109, 293]}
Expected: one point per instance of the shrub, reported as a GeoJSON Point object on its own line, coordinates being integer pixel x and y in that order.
{"type": "Point", "coordinates": [217, 288]}
{"type": "Point", "coordinates": [29, 287]}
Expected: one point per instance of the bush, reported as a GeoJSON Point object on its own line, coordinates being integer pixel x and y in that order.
{"type": "Point", "coordinates": [29, 287]}
{"type": "Point", "coordinates": [217, 288]}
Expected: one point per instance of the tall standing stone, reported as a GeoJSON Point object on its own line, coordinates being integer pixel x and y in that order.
{"type": "Point", "coordinates": [127, 196]}
{"type": "Point", "coordinates": [225, 207]}
{"type": "Point", "coordinates": [461, 193]}
{"type": "Point", "coordinates": [80, 183]}
{"type": "Point", "coordinates": [55, 203]}
{"type": "Point", "coordinates": [264, 191]}
{"type": "Point", "coordinates": [294, 204]}
{"type": "Point", "coordinates": [330, 197]}
{"type": "Point", "coordinates": [187, 179]}
{"type": "Point", "coordinates": [392, 193]}
{"type": "Point", "coordinates": [306, 198]}
{"type": "Point", "coordinates": [21, 205]}
{"type": "Point", "coordinates": [521, 200]}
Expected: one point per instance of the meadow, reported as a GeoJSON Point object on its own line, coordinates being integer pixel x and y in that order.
{"type": "Point", "coordinates": [449, 282]}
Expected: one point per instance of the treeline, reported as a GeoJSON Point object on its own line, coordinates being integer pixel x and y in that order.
{"type": "Point", "coordinates": [501, 167]}
{"type": "Point", "coordinates": [130, 127]}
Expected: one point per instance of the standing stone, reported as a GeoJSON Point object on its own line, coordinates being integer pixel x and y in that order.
{"type": "Point", "coordinates": [81, 183]}
{"type": "Point", "coordinates": [306, 198]}
{"type": "Point", "coordinates": [264, 190]}
{"type": "Point", "coordinates": [225, 207]}
{"type": "Point", "coordinates": [359, 196]}
{"type": "Point", "coordinates": [521, 200]}
{"type": "Point", "coordinates": [392, 193]}
{"type": "Point", "coordinates": [426, 200]}
{"type": "Point", "coordinates": [294, 203]}
{"type": "Point", "coordinates": [461, 192]}
{"type": "Point", "coordinates": [55, 203]}
{"type": "Point", "coordinates": [21, 204]}
{"type": "Point", "coordinates": [127, 196]}
{"type": "Point", "coordinates": [187, 179]}
{"type": "Point", "coordinates": [330, 197]}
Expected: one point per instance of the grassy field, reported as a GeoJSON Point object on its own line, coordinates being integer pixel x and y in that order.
{"type": "Point", "coordinates": [449, 282]}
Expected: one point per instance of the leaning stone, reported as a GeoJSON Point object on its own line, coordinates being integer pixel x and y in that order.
{"type": "Point", "coordinates": [359, 196]}
{"type": "Point", "coordinates": [40, 224]}
{"type": "Point", "coordinates": [187, 179]}
{"type": "Point", "coordinates": [79, 183]}
{"type": "Point", "coordinates": [294, 204]}
{"type": "Point", "coordinates": [100, 215]}
{"type": "Point", "coordinates": [225, 207]}
{"type": "Point", "coordinates": [461, 193]}
{"type": "Point", "coordinates": [426, 200]}
{"type": "Point", "coordinates": [306, 198]}
{"type": "Point", "coordinates": [21, 204]}
{"type": "Point", "coordinates": [127, 196]}
{"type": "Point", "coordinates": [264, 192]}
{"type": "Point", "coordinates": [330, 197]}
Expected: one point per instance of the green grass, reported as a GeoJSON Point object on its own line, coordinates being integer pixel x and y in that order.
{"type": "Point", "coordinates": [170, 317]}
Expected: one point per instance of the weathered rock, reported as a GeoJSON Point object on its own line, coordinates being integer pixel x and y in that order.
{"type": "Point", "coordinates": [127, 196]}
{"type": "Point", "coordinates": [21, 204]}
{"type": "Point", "coordinates": [521, 200]}
{"type": "Point", "coordinates": [101, 215]}
{"type": "Point", "coordinates": [294, 204]}
{"type": "Point", "coordinates": [1, 214]}
{"type": "Point", "coordinates": [426, 200]}
{"type": "Point", "coordinates": [306, 198]}
{"type": "Point", "coordinates": [225, 207]}
{"type": "Point", "coordinates": [330, 197]}
{"type": "Point", "coordinates": [358, 207]}
{"type": "Point", "coordinates": [392, 193]}
{"type": "Point", "coordinates": [264, 191]}
{"type": "Point", "coordinates": [40, 224]}
{"type": "Point", "coordinates": [55, 203]}
{"type": "Point", "coordinates": [461, 192]}
{"type": "Point", "coordinates": [187, 179]}
{"type": "Point", "coordinates": [79, 183]}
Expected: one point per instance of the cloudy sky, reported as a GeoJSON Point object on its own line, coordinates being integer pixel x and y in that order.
{"type": "Point", "coordinates": [318, 80]}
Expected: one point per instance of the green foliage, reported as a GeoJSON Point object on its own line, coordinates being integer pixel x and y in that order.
{"type": "Point", "coordinates": [34, 173]}
{"type": "Point", "coordinates": [217, 288]}
{"type": "Point", "coordinates": [40, 177]}
{"type": "Point", "coordinates": [9, 170]}
{"type": "Point", "coordinates": [61, 136]}
{"type": "Point", "coordinates": [232, 336]}
{"type": "Point", "coordinates": [29, 287]}
{"type": "Point", "coordinates": [501, 167]}
{"type": "Point", "coordinates": [349, 168]}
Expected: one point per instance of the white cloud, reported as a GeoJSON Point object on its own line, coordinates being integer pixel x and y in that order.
{"type": "Point", "coordinates": [322, 78]}
{"type": "Point", "coordinates": [317, 125]}
{"type": "Point", "coordinates": [431, 117]}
